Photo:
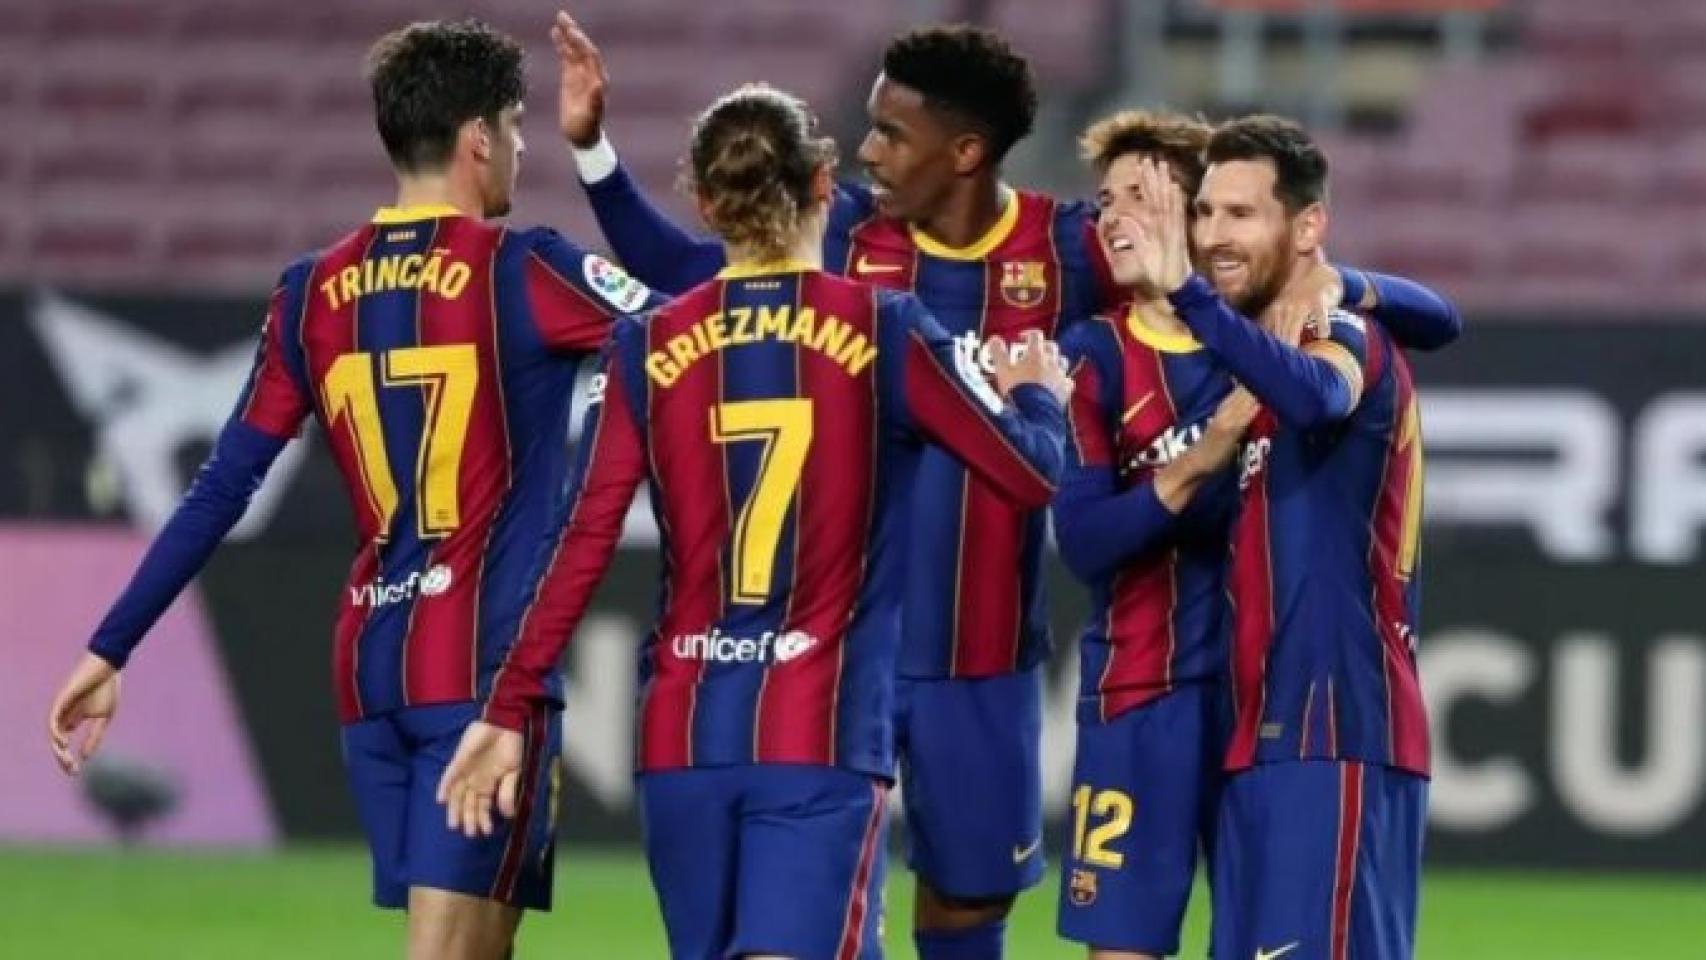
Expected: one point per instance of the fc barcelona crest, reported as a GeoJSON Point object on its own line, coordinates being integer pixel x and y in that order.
{"type": "Point", "coordinates": [1024, 283]}
{"type": "Point", "coordinates": [1082, 891]}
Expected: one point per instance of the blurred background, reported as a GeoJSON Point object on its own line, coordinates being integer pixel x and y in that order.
{"type": "Point", "coordinates": [1541, 162]}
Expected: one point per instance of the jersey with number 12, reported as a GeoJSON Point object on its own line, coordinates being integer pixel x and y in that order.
{"type": "Point", "coordinates": [438, 354]}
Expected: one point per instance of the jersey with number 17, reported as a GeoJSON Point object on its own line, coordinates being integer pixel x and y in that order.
{"type": "Point", "coordinates": [438, 353]}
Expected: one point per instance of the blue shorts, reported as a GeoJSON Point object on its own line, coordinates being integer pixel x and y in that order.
{"type": "Point", "coordinates": [1145, 791]}
{"type": "Point", "coordinates": [766, 859]}
{"type": "Point", "coordinates": [971, 776]}
{"type": "Point", "coordinates": [1319, 860]}
{"type": "Point", "coordinates": [394, 763]}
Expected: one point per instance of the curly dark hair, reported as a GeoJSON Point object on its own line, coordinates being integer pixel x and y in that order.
{"type": "Point", "coordinates": [1173, 137]}
{"type": "Point", "coordinates": [429, 78]}
{"type": "Point", "coordinates": [1300, 168]}
{"type": "Point", "coordinates": [752, 159]}
{"type": "Point", "coordinates": [971, 73]}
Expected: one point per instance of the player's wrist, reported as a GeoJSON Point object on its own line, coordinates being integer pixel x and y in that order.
{"type": "Point", "coordinates": [595, 162]}
{"type": "Point", "coordinates": [506, 713]}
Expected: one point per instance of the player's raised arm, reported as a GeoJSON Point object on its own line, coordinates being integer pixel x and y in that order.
{"type": "Point", "coordinates": [268, 414]}
{"type": "Point", "coordinates": [1016, 447]}
{"type": "Point", "coordinates": [1304, 387]}
{"type": "Point", "coordinates": [1097, 526]}
{"type": "Point", "coordinates": [644, 238]}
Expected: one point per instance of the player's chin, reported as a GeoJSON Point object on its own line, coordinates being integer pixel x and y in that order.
{"type": "Point", "coordinates": [887, 203]}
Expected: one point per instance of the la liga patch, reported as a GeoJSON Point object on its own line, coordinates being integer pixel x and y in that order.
{"type": "Point", "coordinates": [614, 284]}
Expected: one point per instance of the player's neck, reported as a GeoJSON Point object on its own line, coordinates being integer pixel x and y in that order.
{"type": "Point", "coordinates": [1158, 316]}
{"type": "Point", "coordinates": [438, 190]}
{"type": "Point", "coordinates": [805, 251]}
{"type": "Point", "coordinates": [969, 214]}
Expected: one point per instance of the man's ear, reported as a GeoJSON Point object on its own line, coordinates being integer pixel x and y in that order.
{"type": "Point", "coordinates": [1309, 229]}
{"type": "Point", "coordinates": [823, 185]}
{"type": "Point", "coordinates": [476, 136]}
{"type": "Point", "coordinates": [970, 152]}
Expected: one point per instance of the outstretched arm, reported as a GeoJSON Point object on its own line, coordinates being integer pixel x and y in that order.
{"type": "Point", "coordinates": [1305, 388]}
{"type": "Point", "coordinates": [485, 772]}
{"type": "Point", "coordinates": [1417, 317]}
{"type": "Point", "coordinates": [268, 414]}
{"type": "Point", "coordinates": [1097, 526]}
{"type": "Point", "coordinates": [610, 465]}
{"type": "Point", "coordinates": [644, 238]}
{"type": "Point", "coordinates": [1015, 448]}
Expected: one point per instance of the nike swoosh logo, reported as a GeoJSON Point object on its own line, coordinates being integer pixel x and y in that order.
{"type": "Point", "coordinates": [1021, 854]}
{"type": "Point", "coordinates": [1276, 954]}
{"type": "Point", "coordinates": [1137, 407]}
{"type": "Point", "coordinates": [866, 266]}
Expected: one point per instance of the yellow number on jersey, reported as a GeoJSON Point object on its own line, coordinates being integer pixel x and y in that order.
{"type": "Point", "coordinates": [449, 374]}
{"type": "Point", "coordinates": [785, 428]}
{"type": "Point", "coordinates": [1409, 544]}
{"type": "Point", "coordinates": [1091, 845]}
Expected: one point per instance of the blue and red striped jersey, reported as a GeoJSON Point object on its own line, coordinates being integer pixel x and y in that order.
{"type": "Point", "coordinates": [438, 353]}
{"type": "Point", "coordinates": [1324, 575]}
{"type": "Point", "coordinates": [974, 604]}
{"type": "Point", "coordinates": [778, 415]}
{"type": "Point", "coordinates": [1158, 614]}
{"type": "Point", "coordinates": [974, 601]}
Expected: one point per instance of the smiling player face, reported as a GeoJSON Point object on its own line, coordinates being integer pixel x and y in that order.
{"type": "Point", "coordinates": [1244, 239]}
{"type": "Point", "coordinates": [1120, 212]}
{"type": "Point", "coordinates": [908, 152]}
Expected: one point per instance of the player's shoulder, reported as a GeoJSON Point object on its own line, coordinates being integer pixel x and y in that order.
{"type": "Point", "coordinates": [1351, 322]}
{"type": "Point", "coordinates": [296, 273]}
{"type": "Point", "coordinates": [589, 272]}
{"type": "Point", "coordinates": [1096, 336]}
{"type": "Point", "coordinates": [851, 202]}
{"type": "Point", "coordinates": [896, 306]}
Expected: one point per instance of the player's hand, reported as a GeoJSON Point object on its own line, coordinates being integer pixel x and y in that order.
{"type": "Point", "coordinates": [487, 767]}
{"type": "Point", "coordinates": [581, 82]}
{"type": "Point", "coordinates": [1235, 414]}
{"type": "Point", "coordinates": [1035, 360]}
{"type": "Point", "coordinates": [1289, 319]}
{"type": "Point", "coordinates": [1306, 305]}
{"type": "Point", "coordinates": [1322, 284]}
{"type": "Point", "coordinates": [1163, 242]}
{"type": "Point", "coordinates": [89, 696]}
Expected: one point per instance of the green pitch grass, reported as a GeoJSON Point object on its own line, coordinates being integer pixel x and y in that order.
{"type": "Point", "coordinates": [311, 902]}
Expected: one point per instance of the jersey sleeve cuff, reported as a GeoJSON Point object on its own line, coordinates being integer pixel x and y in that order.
{"type": "Point", "coordinates": [506, 712]}
{"type": "Point", "coordinates": [597, 162]}
{"type": "Point", "coordinates": [115, 658]}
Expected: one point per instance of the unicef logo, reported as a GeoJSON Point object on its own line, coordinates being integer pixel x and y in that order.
{"type": "Point", "coordinates": [436, 581]}
{"type": "Point", "coordinates": [792, 644]}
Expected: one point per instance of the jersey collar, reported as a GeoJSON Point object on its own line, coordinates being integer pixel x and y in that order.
{"type": "Point", "coordinates": [428, 211]}
{"type": "Point", "coordinates": [755, 268]}
{"type": "Point", "coordinates": [982, 246]}
{"type": "Point", "coordinates": [1155, 339]}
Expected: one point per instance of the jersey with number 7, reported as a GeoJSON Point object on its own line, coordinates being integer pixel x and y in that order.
{"type": "Point", "coordinates": [778, 418]}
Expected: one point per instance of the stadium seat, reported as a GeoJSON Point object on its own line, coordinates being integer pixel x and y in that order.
{"type": "Point", "coordinates": [120, 21]}
{"type": "Point", "coordinates": [1609, 170]}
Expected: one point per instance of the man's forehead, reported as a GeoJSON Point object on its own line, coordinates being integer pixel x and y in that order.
{"type": "Point", "coordinates": [1241, 177]}
{"type": "Point", "coordinates": [893, 93]}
